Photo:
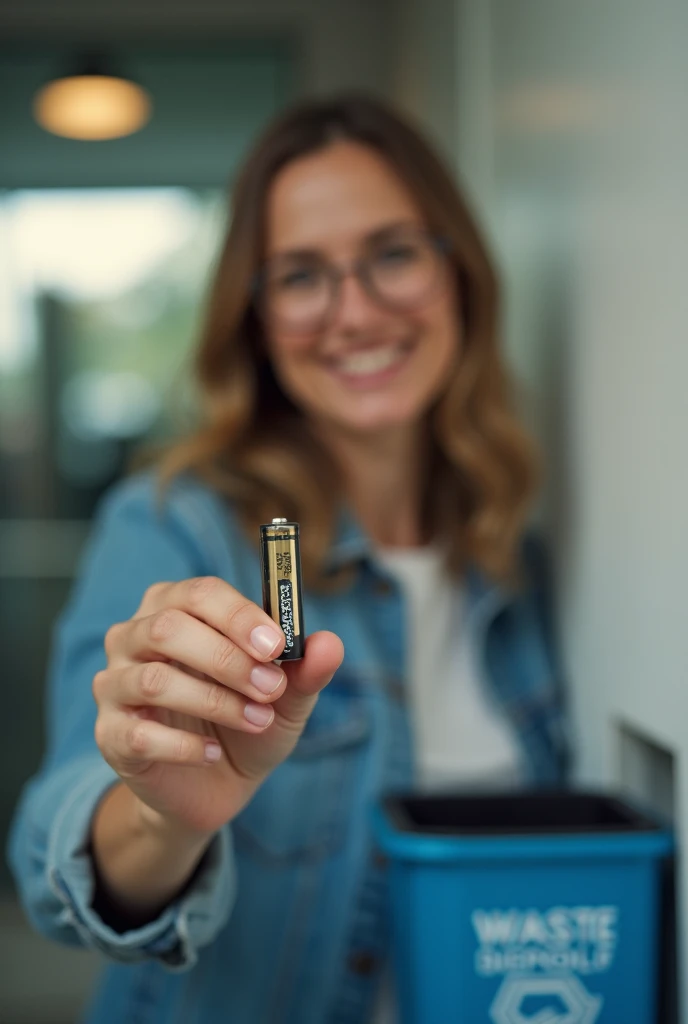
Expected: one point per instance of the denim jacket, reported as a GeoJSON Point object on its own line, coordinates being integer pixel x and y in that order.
{"type": "Point", "coordinates": [285, 919]}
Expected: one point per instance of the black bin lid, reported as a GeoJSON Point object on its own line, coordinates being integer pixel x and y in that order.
{"type": "Point", "coordinates": [556, 811]}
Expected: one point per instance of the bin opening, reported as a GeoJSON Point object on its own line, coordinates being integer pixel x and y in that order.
{"type": "Point", "coordinates": [562, 812]}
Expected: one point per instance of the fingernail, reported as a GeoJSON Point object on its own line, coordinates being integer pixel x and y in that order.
{"type": "Point", "coordinates": [256, 714]}
{"type": "Point", "coordinates": [265, 640]}
{"type": "Point", "coordinates": [212, 752]}
{"type": "Point", "coordinates": [266, 678]}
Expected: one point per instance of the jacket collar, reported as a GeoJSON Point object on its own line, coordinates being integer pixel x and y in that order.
{"type": "Point", "coordinates": [352, 544]}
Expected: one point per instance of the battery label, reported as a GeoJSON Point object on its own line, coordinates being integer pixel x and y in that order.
{"type": "Point", "coordinates": [286, 610]}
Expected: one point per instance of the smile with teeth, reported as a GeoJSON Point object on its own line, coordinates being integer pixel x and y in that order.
{"type": "Point", "coordinates": [361, 364]}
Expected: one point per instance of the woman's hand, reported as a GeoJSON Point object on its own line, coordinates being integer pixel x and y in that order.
{"type": "Point", "coordinates": [190, 672]}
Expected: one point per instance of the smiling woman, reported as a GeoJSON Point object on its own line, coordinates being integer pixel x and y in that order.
{"type": "Point", "coordinates": [375, 351]}
{"type": "Point", "coordinates": [208, 822]}
{"type": "Point", "coordinates": [356, 303]}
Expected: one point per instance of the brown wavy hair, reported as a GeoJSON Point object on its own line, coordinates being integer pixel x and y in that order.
{"type": "Point", "coordinates": [254, 446]}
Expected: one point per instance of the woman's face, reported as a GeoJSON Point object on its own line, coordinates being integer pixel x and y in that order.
{"type": "Point", "coordinates": [370, 367]}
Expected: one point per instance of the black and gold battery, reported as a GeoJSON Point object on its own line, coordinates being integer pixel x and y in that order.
{"type": "Point", "coordinates": [281, 571]}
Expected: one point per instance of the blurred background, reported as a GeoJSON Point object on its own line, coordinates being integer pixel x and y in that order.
{"type": "Point", "coordinates": [566, 123]}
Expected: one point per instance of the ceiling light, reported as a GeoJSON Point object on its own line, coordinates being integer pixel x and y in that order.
{"type": "Point", "coordinates": [92, 102]}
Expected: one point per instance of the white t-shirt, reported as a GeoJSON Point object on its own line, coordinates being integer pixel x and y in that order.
{"type": "Point", "coordinates": [461, 737]}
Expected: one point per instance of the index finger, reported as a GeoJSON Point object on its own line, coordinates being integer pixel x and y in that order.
{"type": "Point", "coordinates": [222, 606]}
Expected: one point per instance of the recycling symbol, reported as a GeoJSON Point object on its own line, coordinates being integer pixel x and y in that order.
{"type": "Point", "coordinates": [565, 998]}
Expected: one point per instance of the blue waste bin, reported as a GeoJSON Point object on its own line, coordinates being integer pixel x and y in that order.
{"type": "Point", "coordinates": [537, 908]}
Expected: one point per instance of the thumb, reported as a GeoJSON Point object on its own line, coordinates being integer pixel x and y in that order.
{"type": "Point", "coordinates": [323, 655]}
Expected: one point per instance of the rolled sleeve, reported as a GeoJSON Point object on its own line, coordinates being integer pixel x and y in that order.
{"type": "Point", "coordinates": [136, 541]}
{"type": "Point", "coordinates": [63, 909]}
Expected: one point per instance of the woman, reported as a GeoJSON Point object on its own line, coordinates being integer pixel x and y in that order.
{"type": "Point", "coordinates": [205, 818]}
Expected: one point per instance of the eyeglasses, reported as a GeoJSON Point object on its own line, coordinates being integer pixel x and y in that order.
{"type": "Point", "coordinates": [299, 291]}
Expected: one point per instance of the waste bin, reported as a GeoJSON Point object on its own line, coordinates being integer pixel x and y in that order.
{"type": "Point", "coordinates": [540, 908]}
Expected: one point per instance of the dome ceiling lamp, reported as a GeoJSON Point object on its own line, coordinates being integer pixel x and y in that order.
{"type": "Point", "coordinates": [93, 102]}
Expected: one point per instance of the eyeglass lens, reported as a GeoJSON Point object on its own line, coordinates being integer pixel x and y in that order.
{"type": "Point", "coordinates": [400, 272]}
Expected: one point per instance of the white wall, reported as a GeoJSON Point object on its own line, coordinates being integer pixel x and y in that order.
{"type": "Point", "coordinates": [424, 68]}
{"type": "Point", "coordinates": [578, 150]}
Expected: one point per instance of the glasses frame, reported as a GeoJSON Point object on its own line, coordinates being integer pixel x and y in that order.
{"type": "Point", "coordinates": [358, 268]}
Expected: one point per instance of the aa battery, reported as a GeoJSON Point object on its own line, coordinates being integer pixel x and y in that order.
{"type": "Point", "coordinates": [281, 572]}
